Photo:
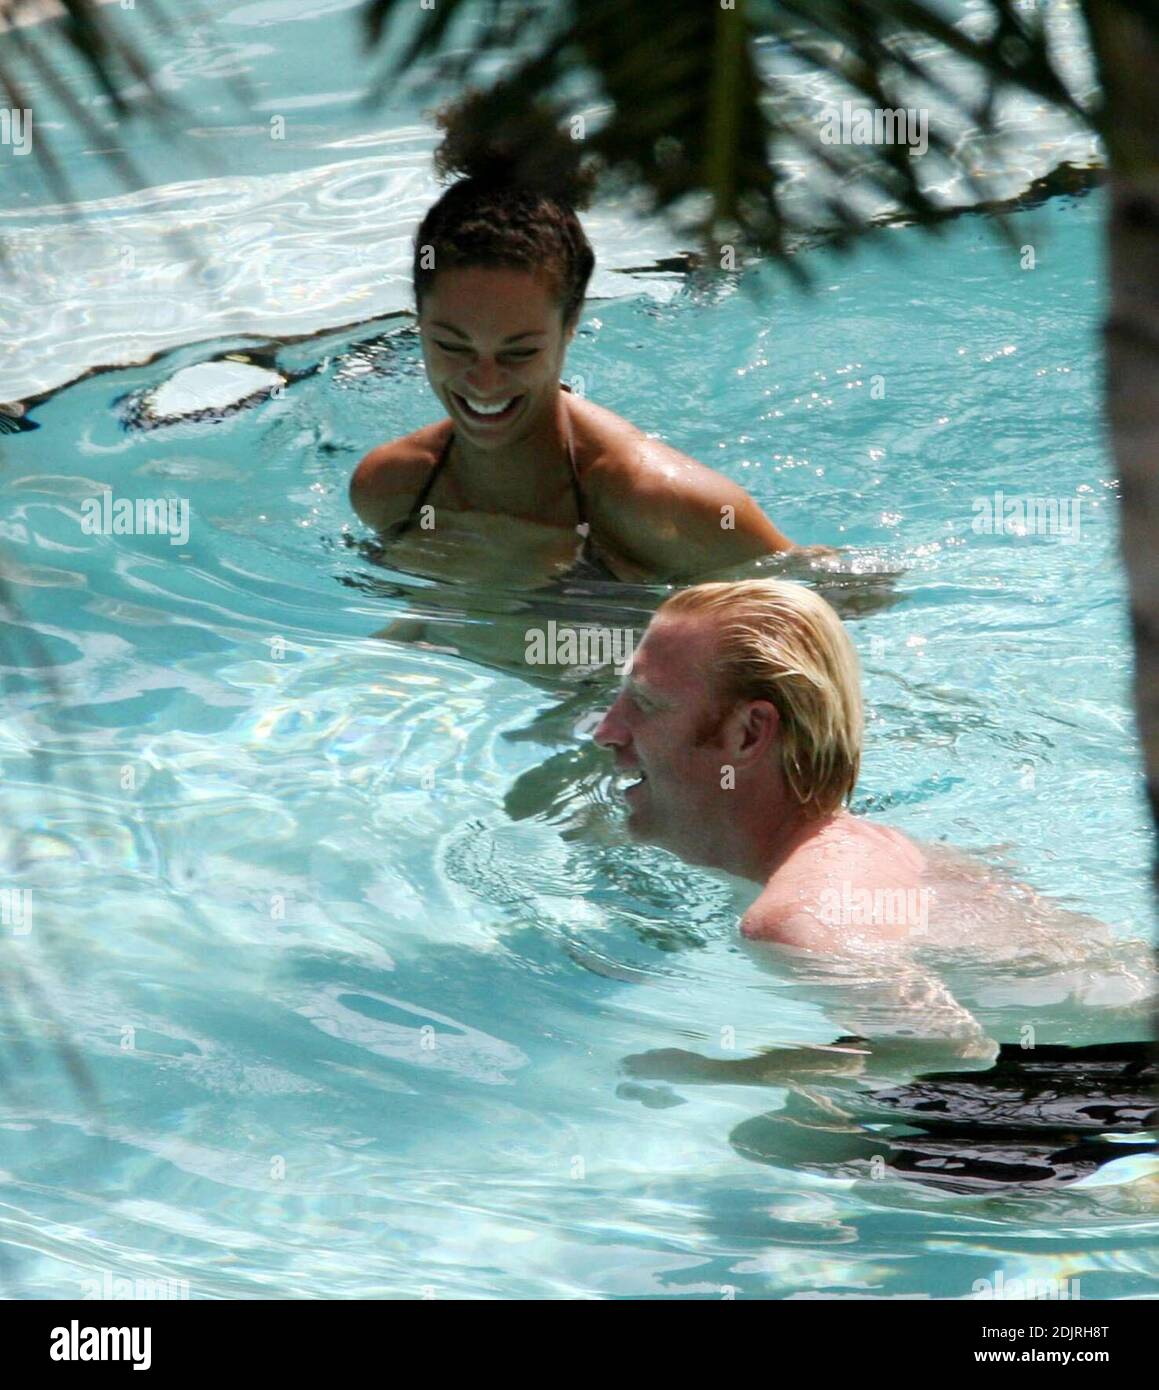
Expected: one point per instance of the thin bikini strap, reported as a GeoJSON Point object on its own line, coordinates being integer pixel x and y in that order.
{"type": "Point", "coordinates": [403, 526]}
{"type": "Point", "coordinates": [582, 527]}
{"type": "Point", "coordinates": [433, 475]}
{"type": "Point", "coordinates": [585, 556]}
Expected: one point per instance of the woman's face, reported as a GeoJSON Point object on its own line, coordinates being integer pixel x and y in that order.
{"type": "Point", "coordinates": [493, 338]}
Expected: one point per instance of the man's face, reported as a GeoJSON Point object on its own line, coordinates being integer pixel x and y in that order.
{"type": "Point", "coordinates": [660, 729]}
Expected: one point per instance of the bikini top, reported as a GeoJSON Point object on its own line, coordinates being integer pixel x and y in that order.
{"type": "Point", "coordinates": [587, 564]}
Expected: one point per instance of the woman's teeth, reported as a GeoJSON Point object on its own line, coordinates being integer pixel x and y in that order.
{"type": "Point", "coordinates": [488, 410]}
{"type": "Point", "coordinates": [628, 781]}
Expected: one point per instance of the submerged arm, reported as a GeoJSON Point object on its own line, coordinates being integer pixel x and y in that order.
{"type": "Point", "coordinates": [901, 1025]}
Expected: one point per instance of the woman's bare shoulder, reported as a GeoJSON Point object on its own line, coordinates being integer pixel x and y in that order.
{"type": "Point", "coordinates": [639, 476]}
{"type": "Point", "coordinates": [662, 508]}
{"type": "Point", "coordinates": [618, 450]}
{"type": "Point", "coordinates": [389, 477]}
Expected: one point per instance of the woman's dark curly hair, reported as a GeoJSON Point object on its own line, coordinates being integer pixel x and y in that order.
{"type": "Point", "coordinates": [516, 206]}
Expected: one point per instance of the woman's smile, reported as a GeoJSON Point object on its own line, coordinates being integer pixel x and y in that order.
{"type": "Point", "coordinates": [488, 413]}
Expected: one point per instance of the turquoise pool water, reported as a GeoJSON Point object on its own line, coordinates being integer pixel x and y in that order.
{"type": "Point", "coordinates": [353, 1028]}
{"type": "Point", "coordinates": [334, 945]}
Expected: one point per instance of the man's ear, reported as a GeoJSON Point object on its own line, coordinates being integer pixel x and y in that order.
{"type": "Point", "coordinates": [759, 723]}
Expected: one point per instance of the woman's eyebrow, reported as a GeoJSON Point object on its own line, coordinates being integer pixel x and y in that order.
{"type": "Point", "coordinates": [458, 332]}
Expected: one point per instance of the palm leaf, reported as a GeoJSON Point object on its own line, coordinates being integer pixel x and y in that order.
{"type": "Point", "coordinates": [693, 116]}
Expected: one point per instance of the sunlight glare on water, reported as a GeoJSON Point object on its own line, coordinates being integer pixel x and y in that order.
{"type": "Point", "coordinates": [346, 932]}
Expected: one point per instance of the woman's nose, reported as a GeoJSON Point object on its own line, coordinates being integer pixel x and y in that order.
{"type": "Point", "coordinates": [485, 378]}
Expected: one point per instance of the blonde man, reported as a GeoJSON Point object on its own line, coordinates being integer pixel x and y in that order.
{"type": "Point", "coordinates": [739, 730]}
{"type": "Point", "coordinates": [741, 719]}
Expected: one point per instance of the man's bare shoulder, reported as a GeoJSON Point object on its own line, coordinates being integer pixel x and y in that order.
{"type": "Point", "coordinates": [852, 880]}
{"type": "Point", "coordinates": [781, 920]}
{"type": "Point", "coordinates": [387, 480]}
{"type": "Point", "coordinates": [789, 910]}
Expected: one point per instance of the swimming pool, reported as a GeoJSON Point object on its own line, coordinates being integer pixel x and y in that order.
{"type": "Point", "coordinates": [353, 1026]}
{"type": "Point", "coordinates": [354, 1029]}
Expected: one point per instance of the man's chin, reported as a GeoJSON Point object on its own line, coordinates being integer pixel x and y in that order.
{"type": "Point", "coordinates": [648, 823]}
{"type": "Point", "coordinates": [643, 830]}
{"type": "Point", "coordinates": [687, 847]}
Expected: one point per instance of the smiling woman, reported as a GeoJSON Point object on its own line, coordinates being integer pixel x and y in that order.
{"type": "Point", "coordinates": [518, 470]}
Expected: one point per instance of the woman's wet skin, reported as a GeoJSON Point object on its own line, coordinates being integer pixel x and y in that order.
{"type": "Point", "coordinates": [493, 336]}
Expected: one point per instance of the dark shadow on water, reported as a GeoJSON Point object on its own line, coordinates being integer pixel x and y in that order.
{"type": "Point", "coordinates": [1037, 1118]}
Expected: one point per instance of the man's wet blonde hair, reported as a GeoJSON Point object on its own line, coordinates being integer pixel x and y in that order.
{"type": "Point", "coordinates": [783, 643]}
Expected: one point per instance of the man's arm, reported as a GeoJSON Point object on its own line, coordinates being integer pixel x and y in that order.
{"type": "Point", "coordinates": [880, 1061]}
{"type": "Point", "coordinates": [898, 1019]}
{"type": "Point", "coordinates": [775, 1066]}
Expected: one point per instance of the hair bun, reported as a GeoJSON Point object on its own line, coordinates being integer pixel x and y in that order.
{"type": "Point", "coordinates": [522, 149]}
